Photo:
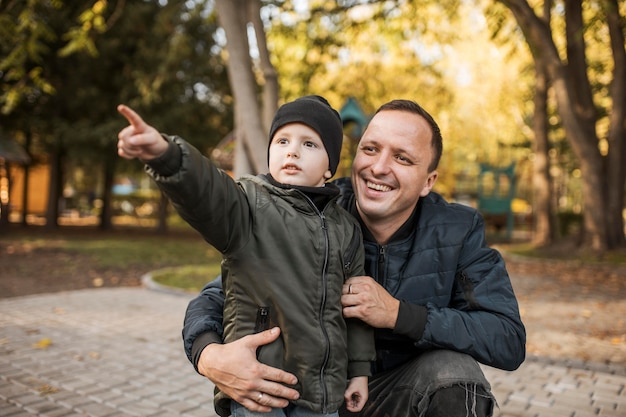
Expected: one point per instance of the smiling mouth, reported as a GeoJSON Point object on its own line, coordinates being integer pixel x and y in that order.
{"type": "Point", "coordinates": [291, 168]}
{"type": "Point", "coordinates": [378, 187]}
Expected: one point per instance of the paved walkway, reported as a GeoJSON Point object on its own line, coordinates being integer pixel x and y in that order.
{"type": "Point", "coordinates": [118, 352]}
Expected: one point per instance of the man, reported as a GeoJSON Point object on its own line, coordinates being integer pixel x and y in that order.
{"type": "Point", "coordinates": [439, 299]}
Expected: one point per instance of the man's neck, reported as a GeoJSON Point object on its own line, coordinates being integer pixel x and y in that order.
{"type": "Point", "coordinates": [382, 231]}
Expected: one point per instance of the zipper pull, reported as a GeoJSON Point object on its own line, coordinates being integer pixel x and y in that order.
{"type": "Point", "coordinates": [346, 267]}
{"type": "Point", "coordinates": [380, 270]}
{"type": "Point", "coordinates": [262, 319]}
{"type": "Point", "coordinates": [381, 255]}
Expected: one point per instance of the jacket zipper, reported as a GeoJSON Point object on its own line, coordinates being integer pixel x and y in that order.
{"type": "Point", "coordinates": [381, 266]}
{"type": "Point", "coordinates": [351, 252]}
{"type": "Point", "coordinates": [324, 388]}
{"type": "Point", "coordinates": [322, 306]}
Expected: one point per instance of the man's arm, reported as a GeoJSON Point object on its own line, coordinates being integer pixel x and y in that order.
{"type": "Point", "coordinates": [481, 320]}
{"type": "Point", "coordinates": [233, 367]}
{"type": "Point", "coordinates": [203, 320]}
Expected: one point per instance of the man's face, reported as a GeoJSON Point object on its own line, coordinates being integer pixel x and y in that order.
{"type": "Point", "coordinates": [390, 168]}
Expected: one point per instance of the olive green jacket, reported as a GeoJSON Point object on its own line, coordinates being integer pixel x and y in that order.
{"type": "Point", "coordinates": [284, 264]}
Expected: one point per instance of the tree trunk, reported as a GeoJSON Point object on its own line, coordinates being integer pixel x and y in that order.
{"type": "Point", "coordinates": [248, 124]}
{"type": "Point", "coordinates": [162, 221]}
{"type": "Point", "coordinates": [26, 179]}
{"type": "Point", "coordinates": [616, 172]}
{"type": "Point", "coordinates": [571, 88]}
{"type": "Point", "coordinates": [54, 189]}
{"type": "Point", "coordinates": [580, 98]}
{"type": "Point", "coordinates": [542, 208]}
{"type": "Point", "coordinates": [106, 215]}
{"type": "Point", "coordinates": [270, 77]}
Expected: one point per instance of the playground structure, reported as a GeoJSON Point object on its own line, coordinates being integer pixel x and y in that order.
{"type": "Point", "coordinates": [496, 190]}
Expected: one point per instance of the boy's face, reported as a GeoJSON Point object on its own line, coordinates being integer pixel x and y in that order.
{"type": "Point", "coordinates": [298, 156]}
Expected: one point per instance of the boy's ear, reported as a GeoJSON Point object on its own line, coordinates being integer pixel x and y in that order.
{"type": "Point", "coordinates": [328, 175]}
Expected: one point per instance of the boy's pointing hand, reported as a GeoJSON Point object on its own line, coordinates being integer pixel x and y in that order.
{"type": "Point", "coordinates": [139, 139]}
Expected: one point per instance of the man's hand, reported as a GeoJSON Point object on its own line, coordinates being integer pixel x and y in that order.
{"type": "Point", "coordinates": [139, 140]}
{"type": "Point", "coordinates": [365, 299]}
{"type": "Point", "coordinates": [234, 369]}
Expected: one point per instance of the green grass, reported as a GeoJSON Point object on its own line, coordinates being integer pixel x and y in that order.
{"type": "Point", "coordinates": [189, 278]}
{"type": "Point", "coordinates": [119, 248]}
{"type": "Point", "coordinates": [158, 251]}
{"type": "Point", "coordinates": [182, 259]}
{"type": "Point", "coordinates": [567, 252]}
{"type": "Point", "coordinates": [179, 258]}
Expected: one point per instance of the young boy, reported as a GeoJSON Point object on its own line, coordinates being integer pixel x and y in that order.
{"type": "Point", "coordinates": [287, 250]}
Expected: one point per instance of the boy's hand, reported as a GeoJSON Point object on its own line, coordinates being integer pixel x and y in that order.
{"type": "Point", "coordinates": [356, 394]}
{"type": "Point", "coordinates": [139, 140]}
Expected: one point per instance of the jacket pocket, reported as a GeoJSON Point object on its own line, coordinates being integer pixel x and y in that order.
{"type": "Point", "coordinates": [351, 252]}
{"type": "Point", "coordinates": [273, 353]}
{"type": "Point", "coordinates": [468, 290]}
{"type": "Point", "coordinates": [262, 320]}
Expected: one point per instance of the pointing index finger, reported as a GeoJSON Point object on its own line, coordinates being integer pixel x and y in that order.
{"type": "Point", "coordinates": [133, 118]}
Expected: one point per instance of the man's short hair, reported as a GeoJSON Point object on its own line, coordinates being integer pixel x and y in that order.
{"type": "Point", "coordinates": [412, 107]}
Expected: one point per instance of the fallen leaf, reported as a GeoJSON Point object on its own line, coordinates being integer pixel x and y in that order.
{"type": "Point", "coordinates": [47, 389]}
{"type": "Point", "coordinates": [43, 343]}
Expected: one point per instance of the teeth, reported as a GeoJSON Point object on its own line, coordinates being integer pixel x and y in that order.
{"type": "Point", "coordinates": [378, 187]}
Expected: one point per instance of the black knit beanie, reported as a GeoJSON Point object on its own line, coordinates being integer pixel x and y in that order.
{"type": "Point", "coordinates": [315, 112]}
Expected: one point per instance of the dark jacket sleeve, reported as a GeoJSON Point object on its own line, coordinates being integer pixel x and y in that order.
{"type": "Point", "coordinates": [361, 347]}
{"type": "Point", "coordinates": [203, 320]}
{"type": "Point", "coordinates": [204, 196]}
{"type": "Point", "coordinates": [483, 319]}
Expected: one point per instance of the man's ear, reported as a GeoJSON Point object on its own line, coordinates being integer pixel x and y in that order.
{"type": "Point", "coordinates": [430, 182]}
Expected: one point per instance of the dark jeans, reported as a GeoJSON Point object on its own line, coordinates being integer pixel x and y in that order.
{"type": "Point", "coordinates": [438, 383]}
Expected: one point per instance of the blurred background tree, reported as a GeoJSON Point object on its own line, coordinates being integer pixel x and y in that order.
{"type": "Point", "coordinates": [160, 59]}
{"type": "Point", "coordinates": [590, 94]}
{"type": "Point", "coordinates": [541, 88]}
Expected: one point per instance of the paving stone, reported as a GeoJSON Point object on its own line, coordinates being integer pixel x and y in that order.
{"type": "Point", "coordinates": [8, 410]}
{"type": "Point", "coordinates": [117, 352]}
{"type": "Point", "coordinates": [197, 412]}
{"type": "Point", "coordinates": [96, 410]}
{"type": "Point", "coordinates": [73, 401]}
{"type": "Point", "coordinates": [19, 413]}
{"type": "Point", "coordinates": [57, 412]}
{"type": "Point", "coordinates": [26, 399]}
{"type": "Point", "coordinates": [43, 407]}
